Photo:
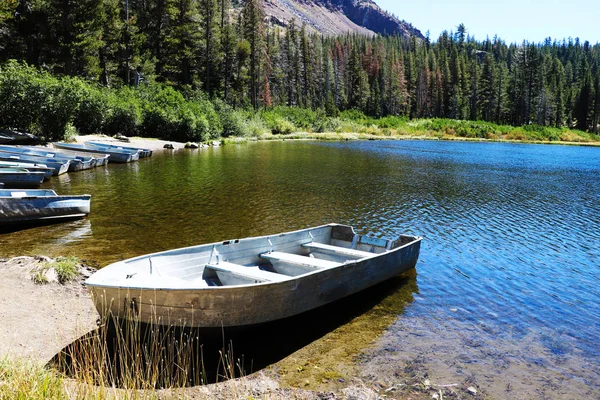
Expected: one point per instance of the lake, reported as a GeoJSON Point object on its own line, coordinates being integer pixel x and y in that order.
{"type": "Point", "coordinates": [506, 292]}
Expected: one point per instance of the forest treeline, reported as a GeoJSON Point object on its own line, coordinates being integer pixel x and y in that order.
{"type": "Point", "coordinates": [215, 51]}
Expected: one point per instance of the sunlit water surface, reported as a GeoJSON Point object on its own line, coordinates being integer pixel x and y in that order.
{"type": "Point", "coordinates": [511, 231]}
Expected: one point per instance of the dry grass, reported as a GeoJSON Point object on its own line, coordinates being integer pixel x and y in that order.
{"type": "Point", "coordinates": [21, 379]}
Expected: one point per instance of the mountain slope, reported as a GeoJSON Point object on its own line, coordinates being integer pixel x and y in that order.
{"type": "Point", "coordinates": [332, 17]}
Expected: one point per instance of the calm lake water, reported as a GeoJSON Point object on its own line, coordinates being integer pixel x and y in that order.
{"type": "Point", "coordinates": [511, 249]}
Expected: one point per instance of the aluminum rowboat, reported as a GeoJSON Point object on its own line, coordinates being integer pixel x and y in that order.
{"type": "Point", "coordinates": [249, 281]}
{"type": "Point", "coordinates": [19, 206]}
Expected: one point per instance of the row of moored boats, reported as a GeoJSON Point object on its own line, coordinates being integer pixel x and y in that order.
{"type": "Point", "coordinates": [23, 169]}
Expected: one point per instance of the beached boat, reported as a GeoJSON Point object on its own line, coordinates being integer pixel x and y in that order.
{"type": "Point", "coordinates": [88, 160]}
{"type": "Point", "coordinates": [60, 166]}
{"type": "Point", "coordinates": [108, 146]}
{"type": "Point", "coordinates": [20, 177]}
{"type": "Point", "coordinates": [31, 167]}
{"type": "Point", "coordinates": [249, 281]}
{"type": "Point", "coordinates": [115, 155]}
{"type": "Point", "coordinates": [19, 206]}
{"type": "Point", "coordinates": [13, 137]}
{"type": "Point", "coordinates": [99, 158]}
{"type": "Point", "coordinates": [76, 163]}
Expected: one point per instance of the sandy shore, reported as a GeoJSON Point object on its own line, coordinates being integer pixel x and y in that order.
{"type": "Point", "coordinates": [39, 320]}
{"type": "Point", "coordinates": [146, 143]}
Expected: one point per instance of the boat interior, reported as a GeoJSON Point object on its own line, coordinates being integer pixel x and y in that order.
{"type": "Point", "coordinates": [20, 193]}
{"type": "Point", "coordinates": [267, 259]}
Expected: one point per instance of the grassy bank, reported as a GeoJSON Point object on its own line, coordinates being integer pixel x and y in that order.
{"type": "Point", "coordinates": [56, 108]}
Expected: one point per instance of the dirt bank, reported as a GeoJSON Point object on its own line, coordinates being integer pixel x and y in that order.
{"type": "Point", "coordinates": [39, 320]}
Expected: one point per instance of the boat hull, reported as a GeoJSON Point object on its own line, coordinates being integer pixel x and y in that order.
{"type": "Point", "coordinates": [75, 163]}
{"type": "Point", "coordinates": [59, 167]}
{"type": "Point", "coordinates": [40, 205]}
{"type": "Point", "coordinates": [25, 179]}
{"type": "Point", "coordinates": [241, 305]}
{"type": "Point", "coordinates": [98, 159]}
{"type": "Point", "coordinates": [114, 156]}
{"type": "Point", "coordinates": [142, 152]}
{"type": "Point", "coordinates": [29, 167]}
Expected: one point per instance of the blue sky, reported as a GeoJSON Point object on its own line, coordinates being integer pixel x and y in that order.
{"type": "Point", "coordinates": [511, 20]}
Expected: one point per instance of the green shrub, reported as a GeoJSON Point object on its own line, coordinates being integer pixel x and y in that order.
{"type": "Point", "coordinates": [392, 121]}
{"type": "Point", "coordinates": [207, 110]}
{"type": "Point", "coordinates": [62, 100]}
{"type": "Point", "coordinates": [70, 133]}
{"type": "Point", "coordinates": [67, 268]}
{"type": "Point", "coordinates": [256, 127]}
{"type": "Point", "coordinates": [191, 125]}
{"type": "Point", "coordinates": [354, 115]}
{"type": "Point", "coordinates": [35, 101]}
{"type": "Point", "coordinates": [39, 277]}
{"type": "Point", "coordinates": [124, 113]}
{"type": "Point", "coordinates": [92, 113]}
{"type": "Point", "coordinates": [22, 95]}
{"type": "Point", "coordinates": [301, 118]}
{"type": "Point", "coordinates": [233, 122]}
{"type": "Point", "coordinates": [281, 126]}
{"type": "Point", "coordinates": [323, 123]}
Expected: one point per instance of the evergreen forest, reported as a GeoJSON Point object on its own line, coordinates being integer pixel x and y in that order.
{"type": "Point", "coordinates": [200, 69]}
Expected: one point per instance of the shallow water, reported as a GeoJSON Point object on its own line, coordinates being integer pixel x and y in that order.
{"type": "Point", "coordinates": [512, 231]}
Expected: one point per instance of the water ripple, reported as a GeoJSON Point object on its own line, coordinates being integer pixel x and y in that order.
{"type": "Point", "coordinates": [511, 231]}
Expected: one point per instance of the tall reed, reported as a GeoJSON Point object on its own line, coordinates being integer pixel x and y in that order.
{"type": "Point", "coordinates": [129, 354]}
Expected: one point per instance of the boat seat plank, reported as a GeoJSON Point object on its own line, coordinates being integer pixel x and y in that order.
{"type": "Point", "coordinates": [248, 272]}
{"type": "Point", "coordinates": [338, 250]}
{"type": "Point", "coordinates": [299, 260]}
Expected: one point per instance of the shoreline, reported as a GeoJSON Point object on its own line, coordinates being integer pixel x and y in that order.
{"type": "Point", "coordinates": [158, 144]}
{"type": "Point", "coordinates": [331, 136]}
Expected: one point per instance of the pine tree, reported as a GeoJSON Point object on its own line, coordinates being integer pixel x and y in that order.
{"type": "Point", "coordinates": [75, 30]}
{"type": "Point", "coordinates": [584, 97]}
{"type": "Point", "coordinates": [596, 117]}
{"type": "Point", "coordinates": [112, 37]}
{"type": "Point", "coordinates": [253, 31]}
{"type": "Point", "coordinates": [228, 47]}
{"type": "Point", "coordinates": [486, 100]}
{"type": "Point", "coordinates": [211, 19]}
{"type": "Point", "coordinates": [7, 14]}
{"type": "Point", "coordinates": [26, 33]}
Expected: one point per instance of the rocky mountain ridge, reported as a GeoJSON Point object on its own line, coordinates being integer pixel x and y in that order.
{"type": "Point", "coordinates": [334, 17]}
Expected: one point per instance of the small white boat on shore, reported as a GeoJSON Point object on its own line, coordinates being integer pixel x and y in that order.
{"type": "Point", "coordinates": [249, 281]}
{"type": "Point", "coordinates": [21, 206]}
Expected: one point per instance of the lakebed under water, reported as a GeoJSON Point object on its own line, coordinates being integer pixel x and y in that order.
{"type": "Point", "coordinates": [506, 292]}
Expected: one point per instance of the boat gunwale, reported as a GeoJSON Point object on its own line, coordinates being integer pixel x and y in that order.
{"type": "Point", "coordinates": [292, 279]}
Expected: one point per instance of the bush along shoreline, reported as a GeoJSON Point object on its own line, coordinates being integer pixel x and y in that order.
{"type": "Point", "coordinates": [57, 108]}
